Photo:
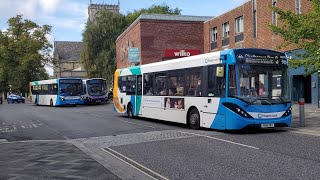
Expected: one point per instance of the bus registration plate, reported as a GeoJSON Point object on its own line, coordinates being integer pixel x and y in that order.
{"type": "Point", "coordinates": [270, 125]}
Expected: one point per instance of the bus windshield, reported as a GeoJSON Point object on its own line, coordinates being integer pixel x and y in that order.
{"type": "Point", "coordinates": [256, 84]}
{"type": "Point", "coordinates": [71, 87]}
{"type": "Point", "coordinates": [97, 87]}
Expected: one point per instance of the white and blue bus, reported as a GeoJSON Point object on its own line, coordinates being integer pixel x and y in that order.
{"type": "Point", "coordinates": [95, 90]}
{"type": "Point", "coordinates": [57, 92]}
{"type": "Point", "coordinates": [225, 90]}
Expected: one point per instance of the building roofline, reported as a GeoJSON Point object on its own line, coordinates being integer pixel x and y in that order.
{"type": "Point", "coordinates": [227, 11]}
{"type": "Point", "coordinates": [164, 17]}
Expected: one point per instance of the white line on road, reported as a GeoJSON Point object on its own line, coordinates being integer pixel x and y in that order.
{"type": "Point", "coordinates": [34, 125]}
{"type": "Point", "coordinates": [23, 127]}
{"type": "Point", "coordinates": [136, 124]}
{"type": "Point", "coordinates": [14, 127]}
{"type": "Point", "coordinates": [134, 162]}
{"type": "Point", "coordinates": [244, 145]}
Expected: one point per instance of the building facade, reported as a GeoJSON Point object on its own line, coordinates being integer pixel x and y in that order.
{"type": "Point", "coordinates": [67, 59]}
{"type": "Point", "coordinates": [94, 9]}
{"type": "Point", "coordinates": [159, 37]}
{"type": "Point", "coordinates": [247, 26]}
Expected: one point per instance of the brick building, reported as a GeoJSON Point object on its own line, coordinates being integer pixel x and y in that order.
{"type": "Point", "coordinates": [158, 37]}
{"type": "Point", "coordinates": [247, 26]}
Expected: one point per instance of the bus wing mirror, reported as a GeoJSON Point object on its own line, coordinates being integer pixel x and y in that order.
{"type": "Point", "coordinates": [220, 71]}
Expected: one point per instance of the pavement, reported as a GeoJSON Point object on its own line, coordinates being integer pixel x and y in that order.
{"type": "Point", "coordinates": [48, 160]}
{"type": "Point", "coordinates": [312, 120]}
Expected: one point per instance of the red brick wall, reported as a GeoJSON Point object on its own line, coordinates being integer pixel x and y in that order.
{"type": "Point", "coordinates": [265, 37]}
{"type": "Point", "coordinates": [156, 36]}
{"type": "Point", "coordinates": [130, 39]}
{"type": "Point", "coordinates": [153, 37]}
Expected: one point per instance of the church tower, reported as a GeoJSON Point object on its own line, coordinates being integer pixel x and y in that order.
{"type": "Point", "coordinates": [94, 9]}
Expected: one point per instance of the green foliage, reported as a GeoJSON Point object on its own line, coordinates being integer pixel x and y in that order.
{"type": "Point", "coordinates": [24, 50]}
{"type": "Point", "coordinates": [154, 9]}
{"type": "Point", "coordinates": [304, 31]}
{"type": "Point", "coordinates": [99, 52]}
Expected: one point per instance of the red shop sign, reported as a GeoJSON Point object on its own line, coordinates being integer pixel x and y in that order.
{"type": "Point", "coordinates": [180, 52]}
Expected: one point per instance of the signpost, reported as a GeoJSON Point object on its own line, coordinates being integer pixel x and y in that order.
{"type": "Point", "coordinates": [134, 55]}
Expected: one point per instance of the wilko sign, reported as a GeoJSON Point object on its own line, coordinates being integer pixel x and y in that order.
{"type": "Point", "coordinates": [176, 53]}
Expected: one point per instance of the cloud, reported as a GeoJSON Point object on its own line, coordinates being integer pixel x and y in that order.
{"type": "Point", "coordinates": [49, 6]}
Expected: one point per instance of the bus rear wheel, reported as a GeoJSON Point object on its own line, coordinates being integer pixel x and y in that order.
{"type": "Point", "coordinates": [194, 119]}
{"type": "Point", "coordinates": [130, 111]}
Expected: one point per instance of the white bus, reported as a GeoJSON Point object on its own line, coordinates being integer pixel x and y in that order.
{"type": "Point", "coordinates": [95, 90]}
{"type": "Point", "coordinates": [57, 92]}
{"type": "Point", "coordinates": [230, 89]}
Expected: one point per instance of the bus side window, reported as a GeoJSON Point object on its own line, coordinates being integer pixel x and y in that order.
{"type": "Point", "coordinates": [148, 84]}
{"type": "Point", "coordinates": [161, 84]}
{"type": "Point", "coordinates": [131, 85]}
{"type": "Point", "coordinates": [216, 85]}
{"type": "Point", "coordinates": [194, 82]}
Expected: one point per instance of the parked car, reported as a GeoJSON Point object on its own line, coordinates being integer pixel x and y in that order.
{"type": "Point", "coordinates": [15, 98]}
{"type": "Point", "coordinates": [0, 99]}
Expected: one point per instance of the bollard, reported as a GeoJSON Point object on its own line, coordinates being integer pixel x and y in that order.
{"type": "Point", "coordinates": [301, 112]}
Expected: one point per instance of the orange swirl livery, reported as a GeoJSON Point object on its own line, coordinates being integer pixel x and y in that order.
{"type": "Point", "coordinates": [116, 99]}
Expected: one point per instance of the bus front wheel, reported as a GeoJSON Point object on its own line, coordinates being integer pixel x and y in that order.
{"type": "Point", "coordinates": [194, 119]}
{"type": "Point", "coordinates": [130, 111]}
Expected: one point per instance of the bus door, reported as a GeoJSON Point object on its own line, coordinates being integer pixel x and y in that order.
{"type": "Point", "coordinates": [138, 108]}
{"type": "Point", "coordinates": [213, 114]}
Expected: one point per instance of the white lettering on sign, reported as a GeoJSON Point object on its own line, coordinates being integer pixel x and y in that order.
{"type": "Point", "coordinates": [182, 53]}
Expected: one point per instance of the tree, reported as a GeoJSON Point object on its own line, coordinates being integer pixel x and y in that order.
{"type": "Point", "coordinates": [154, 9]}
{"type": "Point", "coordinates": [24, 51]}
{"type": "Point", "coordinates": [99, 52]}
{"type": "Point", "coordinates": [303, 30]}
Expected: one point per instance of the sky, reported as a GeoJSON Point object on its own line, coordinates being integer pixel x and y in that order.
{"type": "Point", "coordinates": [68, 17]}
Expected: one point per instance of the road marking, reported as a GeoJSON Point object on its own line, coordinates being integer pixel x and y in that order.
{"type": "Point", "coordinates": [133, 162]}
{"type": "Point", "coordinates": [23, 127]}
{"type": "Point", "coordinates": [34, 125]}
{"type": "Point", "coordinates": [305, 132]}
{"type": "Point", "coordinates": [136, 124]}
{"type": "Point", "coordinates": [14, 127]}
{"type": "Point", "coordinates": [244, 145]}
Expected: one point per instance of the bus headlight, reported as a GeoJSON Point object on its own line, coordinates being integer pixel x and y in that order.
{"type": "Point", "coordinates": [287, 113]}
{"type": "Point", "coordinates": [237, 109]}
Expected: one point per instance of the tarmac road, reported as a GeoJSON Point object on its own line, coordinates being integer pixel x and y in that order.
{"type": "Point", "coordinates": [163, 150]}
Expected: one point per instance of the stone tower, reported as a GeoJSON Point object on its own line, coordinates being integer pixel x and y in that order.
{"type": "Point", "coordinates": [94, 9]}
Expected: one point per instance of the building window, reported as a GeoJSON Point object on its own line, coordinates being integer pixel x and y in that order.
{"type": "Point", "coordinates": [298, 6]}
{"type": "Point", "coordinates": [214, 34]}
{"type": "Point", "coordinates": [214, 37]}
{"type": "Point", "coordinates": [274, 15]}
{"type": "Point", "coordinates": [225, 30]}
{"type": "Point", "coordinates": [239, 25]}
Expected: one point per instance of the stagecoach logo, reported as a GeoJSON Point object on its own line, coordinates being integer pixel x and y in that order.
{"type": "Point", "coordinates": [210, 60]}
{"type": "Point", "coordinates": [240, 57]}
{"type": "Point", "coordinates": [260, 116]}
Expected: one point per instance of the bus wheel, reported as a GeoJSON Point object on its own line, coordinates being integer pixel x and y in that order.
{"type": "Point", "coordinates": [51, 103]}
{"type": "Point", "coordinates": [194, 119]}
{"type": "Point", "coordinates": [129, 111]}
